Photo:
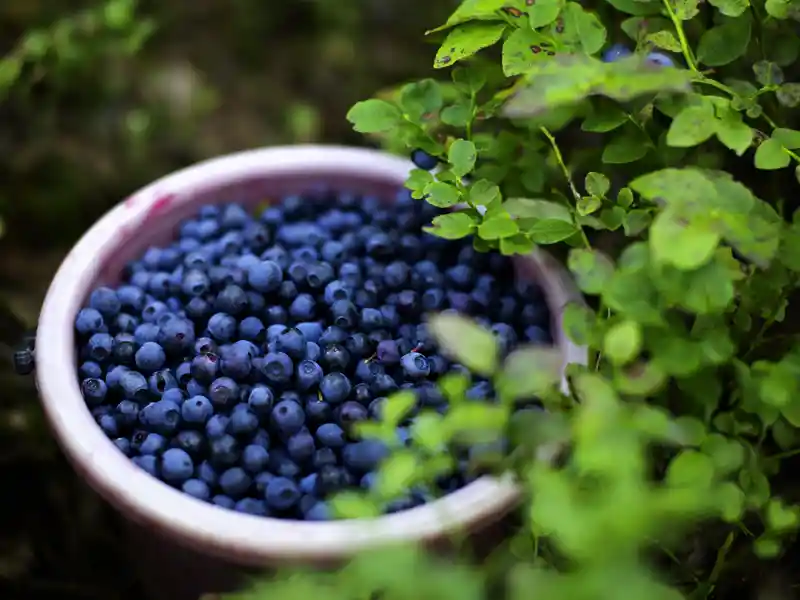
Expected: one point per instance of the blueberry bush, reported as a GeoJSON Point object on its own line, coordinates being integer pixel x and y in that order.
{"type": "Point", "coordinates": [651, 145]}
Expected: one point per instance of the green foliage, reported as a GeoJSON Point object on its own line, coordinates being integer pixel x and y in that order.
{"type": "Point", "coordinates": [649, 179]}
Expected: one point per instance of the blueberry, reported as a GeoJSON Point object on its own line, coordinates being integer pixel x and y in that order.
{"type": "Point", "coordinates": [235, 482]}
{"type": "Point", "coordinates": [231, 300]}
{"type": "Point", "coordinates": [331, 479]}
{"type": "Point", "coordinates": [291, 342]}
{"type": "Point", "coordinates": [224, 451]}
{"type": "Point", "coordinates": [204, 367]}
{"type": "Point", "coordinates": [388, 353]}
{"type": "Point", "coordinates": [423, 160]}
{"type": "Point", "coordinates": [308, 484]}
{"type": "Point", "coordinates": [331, 435]}
{"type": "Point", "coordinates": [266, 276]}
{"type": "Point", "coordinates": [313, 351]}
{"type": "Point", "coordinates": [537, 335]}
{"type": "Point", "coordinates": [105, 301]}
{"type": "Point", "coordinates": [127, 413]}
{"type": "Point", "coordinates": [254, 458]}
{"type": "Point", "coordinates": [288, 417]}
{"type": "Point", "coordinates": [345, 314]}
{"type": "Point", "coordinates": [131, 298]}
{"type": "Point", "coordinates": [134, 385]}
{"type": "Point", "coordinates": [320, 511]}
{"type": "Point", "coordinates": [659, 59]}
{"type": "Point", "coordinates": [364, 456]}
{"type": "Point", "coordinates": [222, 327]}
{"type": "Point", "coordinates": [415, 365]}
{"type": "Point", "coordinates": [243, 422]}
{"type": "Point", "coordinates": [197, 489]}
{"type": "Point", "coordinates": [177, 336]}
{"type": "Point", "coordinates": [94, 391]}
{"type": "Point", "coordinates": [358, 345]}
{"type": "Point", "coordinates": [90, 369]}
{"type": "Point", "coordinates": [251, 506]}
{"type": "Point", "coordinates": [309, 375]}
{"type": "Point", "coordinates": [281, 493]}
{"type": "Point", "coordinates": [150, 357]}
{"type": "Point", "coordinates": [351, 412]}
{"type": "Point", "coordinates": [99, 347]}
{"type": "Point", "coordinates": [207, 473]}
{"type": "Point", "coordinates": [223, 392]}
{"type": "Point", "coordinates": [383, 384]}
{"type": "Point", "coordinates": [197, 410]}
{"type": "Point", "coordinates": [224, 501]}
{"type": "Point", "coordinates": [147, 463]}
{"type": "Point", "coordinates": [161, 417]}
{"type": "Point", "coordinates": [371, 319]}
{"type": "Point", "coordinates": [301, 446]}
{"type": "Point", "coordinates": [236, 363]}
{"type": "Point", "coordinates": [335, 388]}
{"type": "Point", "coordinates": [324, 457]}
{"type": "Point", "coordinates": [252, 329]}
{"type": "Point", "coordinates": [333, 335]}
{"type": "Point", "coordinates": [335, 358]}
{"type": "Point", "coordinates": [153, 444]}
{"type": "Point", "coordinates": [176, 465]}
{"type": "Point", "coordinates": [362, 393]}
{"type": "Point", "coordinates": [317, 411]}
{"type": "Point", "coordinates": [124, 445]}
{"type": "Point", "coordinates": [260, 400]}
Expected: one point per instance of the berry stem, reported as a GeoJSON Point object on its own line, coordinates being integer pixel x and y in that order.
{"type": "Point", "coordinates": [570, 183]}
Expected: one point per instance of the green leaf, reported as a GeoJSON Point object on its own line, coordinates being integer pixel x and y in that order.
{"type": "Point", "coordinates": [498, 226]}
{"type": "Point", "coordinates": [637, 7]}
{"type": "Point", "coordinates": [625, 147]}
{"type": "Point", "coordinates": [442, 195]}
{"type": "Point", "coordinates": [625, 197]}
{"type": "Point", "coordinates": [789, 138]}
{"type": "Point", "coordinates": [397, 407]}
{"type": "Point", "coordinates": [623, 342]}
{"type": "Point", "coordinates": [457, 115]}
{"type": "Point", "coordinates": [589, 204]}
{"type": "Point", "coordinates": [470, 80]}
{"type": "Point", "coordinates": [583, 27]}
{"type": "Point", "coordinates": [604, 118]}
{"type": "Point", "coordinates": [568, 78]}
{"type": "Point", "coordinates": [767, 73]}
{"type": "Point", "coordinates": [521, 49]}
{"type": "Point", "coordinates": [397, 473]}
{"type": "Point", "coordinates": [421, 98]}
{"type": "Point", "coordinates": [483, 193]}
{"type": "Point", "coordinates": [665, 40]}
{"type": "Point", "coordinates": [770, 155]}
{"type": "Point", "coordinates": [473, 10]}
{"type": "Point", "coordinates": [530, 371]}
{"type": "Point", "coordinates": [597, 184]}
{"type": "Point", "coordinates": [591, 269]}
{"type": "Point", "coordinates": [453, 226]}
{"type": "Point", "coordinates": [727, 454]}
{"type": "Point", "coordinates": [353, 505]}
{"type": "Point", "coordinates": [428, 432]}
{"type": "Point", "coordinates": [781, 517]}
{"type": "Point", "coordinates": [462, 156]}
{"type": "Point", "coordinates": [685, 10]}
{"type": "Point", "coordinates": [465, 40]}
{"type": "Point", "coordinates": [682, 186]}
{"type": "Point", "coordinates": [636, 221]}
{"type": "Point", "coordinates": [692, 126]}
{"type": "Point", "coordinates": [730, 8]}
{"type": "Point", "coordinates": [537, 209]}
{"type": "Point", "coordinates": [516, 244]}
{"type": "Point", "coordinates": [690, 469]}
{"type": "Point", "coordinates": [418, 179]}
{"type": "Point", "coordinates": [788, 94]}
{"type": "Point", "coordinates": [544, 12]}
{"type": "Point", "coordinates": [723, 44]}
{"type": "Point", "coordinates": [466, 342]}
{"type": "Point", "coordinates": [550, 231]}
{"type": "Point", "coordinates": [732, 131]}
{"type": "Point", "coordinates": [374, 116]}
{"type": "Point", "coordinates": [684, 245]}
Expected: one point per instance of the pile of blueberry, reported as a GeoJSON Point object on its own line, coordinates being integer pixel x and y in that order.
{"type": "Point", "coordinates": [232, 363]}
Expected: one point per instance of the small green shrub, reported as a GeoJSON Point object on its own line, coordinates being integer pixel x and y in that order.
{"type": "Point", "coordinates": [666, 471]}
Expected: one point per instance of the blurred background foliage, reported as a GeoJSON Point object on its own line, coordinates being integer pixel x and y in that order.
{"type": "Point", "coordinates": [97, 98]}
